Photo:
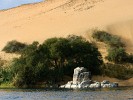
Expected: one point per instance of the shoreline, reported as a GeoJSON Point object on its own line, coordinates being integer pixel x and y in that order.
{"type": "Point", "coordinates": [52, 87]}
{"type": "Point", "coordinates": [64, 89]}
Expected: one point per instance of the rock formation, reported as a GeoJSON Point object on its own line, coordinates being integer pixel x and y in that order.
{"type": "Point", "coordinates": [82, 79]}
{"type": "Point", "coordinates": [80, 74]}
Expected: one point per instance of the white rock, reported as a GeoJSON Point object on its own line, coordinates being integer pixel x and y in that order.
{"type": "Point", "coordinates": [95, 85]}
{"type": "Point", "coordinates": [74, 86]}
{"type": "Point", "coordinates": [62, 86]}
{"type": "Point", "coordinates": [81, 79]}
{"type": "Point", "coordinates": [77, 72]}
{"type": "Point", "coordinates": [84, 84]}
{"type": "Point", "coordinates": [68, 86]}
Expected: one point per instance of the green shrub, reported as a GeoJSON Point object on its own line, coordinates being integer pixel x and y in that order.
{"type": "Point", "coordinates": [117, 55]}
{"type": "Point", "coordinates": [129, 58]}
{"type": "Point", "coordinates": [117, 71]}
{"type": "Point", "coordinates": [116, 50]}
{"type": "Point", "coordinates": [101, 36]}
{"type": "Point", "coordinates": [5, 75]}
{"type": "Point", "coordinates": [14, 47]}
{"type": "Point", "coordinates": [111, 40]}
{"type": "Point", "coordinates": [49, 61]}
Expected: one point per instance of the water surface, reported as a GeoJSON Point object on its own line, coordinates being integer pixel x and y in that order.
{"type": "Point", "coordinates": [65, 95]}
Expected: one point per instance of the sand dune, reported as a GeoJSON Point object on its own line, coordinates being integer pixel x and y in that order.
{"type": "Point", "coordinates": [52, 18]}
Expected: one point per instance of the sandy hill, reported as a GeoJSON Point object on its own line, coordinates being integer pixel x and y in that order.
{"type": "Point", "coordinates": [52, 18]}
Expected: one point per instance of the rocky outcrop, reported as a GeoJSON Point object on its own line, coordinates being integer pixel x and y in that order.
{"type": "Point", "coordinates": [82, 79]}
{"type": "Point", "coordinates": [80, 74]}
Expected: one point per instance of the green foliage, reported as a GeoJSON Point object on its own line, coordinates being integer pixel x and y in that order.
{"type": "Point", "coordinates": [101, 36]}
{"type": "Point", "coordinates": [129, 58]}
{"type": "Point", "coordinates": [117, 55]}
{"type": "Point", "coordinates": [117, 71]}
{"type": "Point", "coordinates": [30, 67]}
{"type": "Point", "coordinates": [14, 47]}
{"type": "Point", "coordinates": [84, 54]}
{"type": "Point", "coordinates": [53, 59]}
{"type": "Point", "coordinates": [111, 40]}
{"type": "Point", "coordinates": [116, 50]}
{"type": "Point", "coordinates": [5, 75]}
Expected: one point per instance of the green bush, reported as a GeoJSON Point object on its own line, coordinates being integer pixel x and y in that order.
{"type": "Point", "coordinates": [129, 58]}
{"type": "Point", "coordinates": [101, 36]}
{"type": "Point", "coordinates": [116, 50]}
{"type": "Point", "coordinates": [14, 47]}
{"type": "Point", "coordinates": [53, 59]}
{"type": "Point", "coordinates": [111, 40]}
{"type": "Point", "coordinates": [117, 55]}
{"type": "Point", "coordinates": [5, 75]}
{"type": "Point", "coordinates": [117, 71]}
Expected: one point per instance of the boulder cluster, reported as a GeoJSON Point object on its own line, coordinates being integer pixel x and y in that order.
{"type": "Point", "coordinates": [82, 79]}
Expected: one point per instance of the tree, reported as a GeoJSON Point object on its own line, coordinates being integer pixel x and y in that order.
{"type": "Point", "coordinates": [53, 59]}
{"type": "Point", "coordinates": [84, 54]}
{"type": "Point", "coordinates": [117, 55]}
{"type": "Point", "coordinates": [30, 67]}
{"type": "Point", "coordinates": [14, 47]}
{"type": "Point", "coordinates": [111, 40]}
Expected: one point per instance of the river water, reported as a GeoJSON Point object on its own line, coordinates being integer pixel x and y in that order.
{"type": "Point", "coordinates": [30, 94]}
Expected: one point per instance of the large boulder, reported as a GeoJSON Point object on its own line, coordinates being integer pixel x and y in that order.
{"type": "Point", "coordinates": [76, 74]}
{"type": "Point", "coordinates": [80, 74]}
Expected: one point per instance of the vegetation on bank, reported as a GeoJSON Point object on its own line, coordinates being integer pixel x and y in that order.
{"type": "Point", "coordinates": [55, 58]}
{"type": "Point", "coordinates": [119, 60]}
{"type": "Point", "coordinates": [119, 71]}
{"type": "Point", "coordinates": [14, 47]}
{"type": "Point", "coordinates": [116, 48]}
{"type": "Point", "coordinates": [50, 61]}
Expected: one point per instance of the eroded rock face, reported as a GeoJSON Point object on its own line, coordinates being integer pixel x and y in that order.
{"type": "Point", "coordinates": [80, 74]}
{"type": "Point", "coordinates": [85, 76]}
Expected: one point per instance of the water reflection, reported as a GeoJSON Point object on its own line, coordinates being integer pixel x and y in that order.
{"type": "Point", "coordinates": [40, 94]}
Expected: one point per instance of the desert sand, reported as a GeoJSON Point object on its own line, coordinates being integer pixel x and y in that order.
{"type": "Point", "coordinates": [59, 18]}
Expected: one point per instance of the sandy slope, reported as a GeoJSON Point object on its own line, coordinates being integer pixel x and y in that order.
{"type": "Point", "coordinates": [62, 17]}
{"type": "Point", "coordinates": [8, 56]}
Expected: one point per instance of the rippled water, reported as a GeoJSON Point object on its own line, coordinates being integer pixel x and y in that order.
{"type": "Point", "coordinates": [65, 95]}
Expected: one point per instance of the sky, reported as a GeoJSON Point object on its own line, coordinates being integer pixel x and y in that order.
{"type": "Point", "coordinates": [6, 4]}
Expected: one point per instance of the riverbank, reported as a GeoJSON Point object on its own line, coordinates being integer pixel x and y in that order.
{"type": "Point", "coordinates": [124, 83]}
{"type": "Point", "coordinates": [63, 89]}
